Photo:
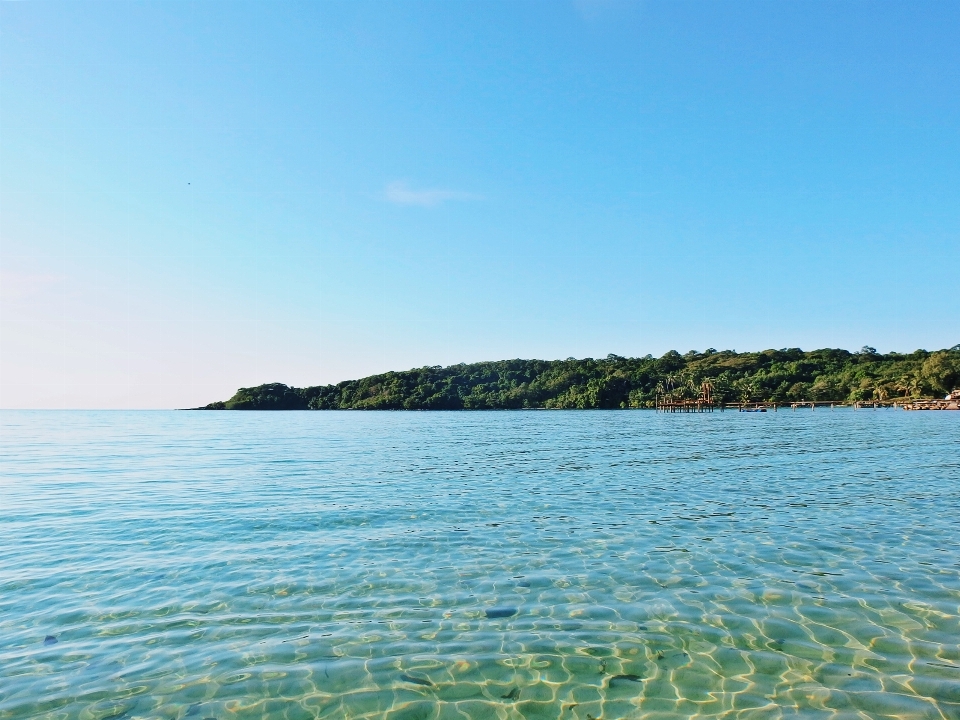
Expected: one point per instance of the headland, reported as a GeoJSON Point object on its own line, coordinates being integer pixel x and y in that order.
{"type": "Point", "coordinates": [784, 377]}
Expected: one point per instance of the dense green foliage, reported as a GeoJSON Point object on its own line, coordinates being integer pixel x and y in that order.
{"type": "Point", "coordinates": [619, 382]}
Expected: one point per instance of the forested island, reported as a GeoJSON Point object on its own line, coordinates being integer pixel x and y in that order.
{"type": "Point", "coordinates": [780, 376]}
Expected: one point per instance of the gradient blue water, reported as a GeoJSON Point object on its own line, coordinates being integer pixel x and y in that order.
{"type": "Point", "coordinates": [479, 565]}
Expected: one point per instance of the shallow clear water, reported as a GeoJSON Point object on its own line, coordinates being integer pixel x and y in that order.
{"type": "Point", "coordinates": [479, 565]}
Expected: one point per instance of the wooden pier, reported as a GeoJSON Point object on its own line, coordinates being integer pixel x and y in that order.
{"type": "Point", "coordinates": [685, 406]}
{"type": "Point", "coordinates": [753, 406]}
{"type": "Point", "coordinates": [812, 404]}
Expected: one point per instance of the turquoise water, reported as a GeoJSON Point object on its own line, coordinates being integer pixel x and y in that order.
{"type": "Point", "coordinates": [479, 565]}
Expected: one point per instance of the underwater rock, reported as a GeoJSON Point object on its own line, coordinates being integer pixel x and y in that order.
{"type": "Point", "coordinates": [500, 612]}
{"type": "Point", "coordinates": [623, 681]}
{"type": "Point", "coordinates": [416, 680]}
{"type": "Point", "coordinates": [512, 695]}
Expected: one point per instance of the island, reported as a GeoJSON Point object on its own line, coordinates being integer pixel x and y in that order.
{"type": "Point", "coordinates": [614, 382]}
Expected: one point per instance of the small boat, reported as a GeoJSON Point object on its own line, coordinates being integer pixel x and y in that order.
{"type": "Point", "coordinates": [753, 409]}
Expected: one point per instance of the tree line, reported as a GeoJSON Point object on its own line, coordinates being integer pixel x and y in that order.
{"type": "Point", "coordinates": [786, 375]}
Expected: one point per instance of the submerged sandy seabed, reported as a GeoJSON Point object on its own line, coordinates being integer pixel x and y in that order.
{"type": "Point", "coordinates": [574, 565]}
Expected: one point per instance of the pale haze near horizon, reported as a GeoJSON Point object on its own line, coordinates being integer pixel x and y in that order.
{"type": "Point", "coordinates": [198, 196]}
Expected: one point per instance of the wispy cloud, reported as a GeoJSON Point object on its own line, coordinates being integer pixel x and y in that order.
{"type": "Point", "coordinates": [400, 193]}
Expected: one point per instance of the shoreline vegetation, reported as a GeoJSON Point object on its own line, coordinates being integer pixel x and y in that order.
{"type": "Point", "coordinates": [771, 376]}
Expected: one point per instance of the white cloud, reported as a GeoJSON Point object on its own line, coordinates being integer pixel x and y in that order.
{"type": "Point", "coordinates": [401, 194]}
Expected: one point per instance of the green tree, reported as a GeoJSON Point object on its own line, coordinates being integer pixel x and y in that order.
{"type": "Point", "coordinates": [941, 371]}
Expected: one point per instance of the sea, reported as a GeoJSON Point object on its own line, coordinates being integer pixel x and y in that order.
{"type": "Point", "coordinates": [439, 565]}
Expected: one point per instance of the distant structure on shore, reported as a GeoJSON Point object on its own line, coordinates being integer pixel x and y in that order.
{"type": "Point", "coordinates": [950, 402]}
{"type": "Point", "coordinates": [670, 398]}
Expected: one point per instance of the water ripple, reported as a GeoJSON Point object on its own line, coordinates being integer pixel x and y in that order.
{"type": "Point", "coordinates": [479, 565]}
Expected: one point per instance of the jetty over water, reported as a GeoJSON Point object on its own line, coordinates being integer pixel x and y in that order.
{"type": "Point", "coordinates": [686, 406]}
{"type": "Point", "coordinates": [753, 406]}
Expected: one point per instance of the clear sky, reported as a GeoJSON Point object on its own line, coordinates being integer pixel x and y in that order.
{"type": "Point", "coordinates": [197, 196]}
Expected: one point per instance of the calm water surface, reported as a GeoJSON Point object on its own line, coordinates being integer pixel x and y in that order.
{"type": "Point", "coordinates": [479, 565]}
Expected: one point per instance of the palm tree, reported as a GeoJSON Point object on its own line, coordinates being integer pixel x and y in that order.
{"type": "Point", "coordinates": [706, 392]}
{"type": "Point", "coordinates": [916, 386]}
{"type": "Point", "coordinates": [880, 390]}
{"type": "Point", "coordinates": [747, 388]}
{"type": "Point", "coordinates": [902, 385]}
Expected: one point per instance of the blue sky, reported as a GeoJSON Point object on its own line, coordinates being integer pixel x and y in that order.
{"type": "Point", "coordinates": [196, 196]}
